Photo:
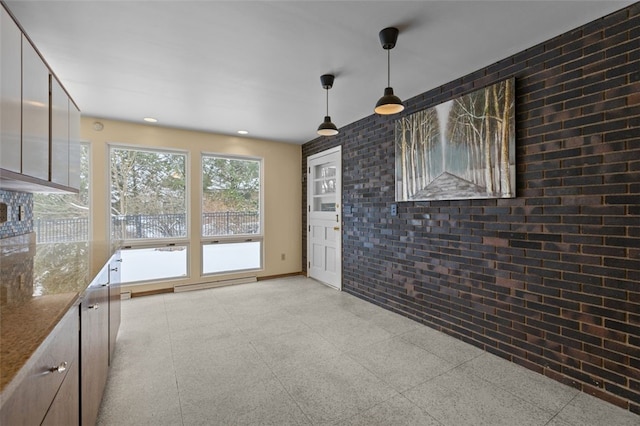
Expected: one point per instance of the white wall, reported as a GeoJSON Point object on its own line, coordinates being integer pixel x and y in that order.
{"type": "Point", "coordinates": [282, 191]}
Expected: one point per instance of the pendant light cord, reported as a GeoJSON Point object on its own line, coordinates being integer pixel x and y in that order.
{"type": "Point", "coordinates": [388, 67]}
{"type": "Point", "coordinates": [327, 102]}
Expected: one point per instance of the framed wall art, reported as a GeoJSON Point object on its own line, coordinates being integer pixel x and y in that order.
{"type": "Point", "coordinates": [460, 149]}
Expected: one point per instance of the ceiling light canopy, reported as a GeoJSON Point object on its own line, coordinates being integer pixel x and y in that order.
{"type": "Point", "coordinates": [327, 128]}
{"type": "Point", "coordinates": [388, 103]}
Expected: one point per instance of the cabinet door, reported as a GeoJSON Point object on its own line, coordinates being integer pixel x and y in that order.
{"type": "Point", "coordinates": [94, 352]}
{"type": "Point", "coordinates": [35, 113]}
{"type": "Point", "coordinates": [65, 409]}
{"type": "Point", "coordinates": [59, 134]}
{"type": "Point", "coordinates": [74, 146]}
{"type": "Point", "coordinates": [10, 97]}
{"type": "Point", "coordinates": [44, 375]}
{"type": "Point", "coordinates": [114, 303]}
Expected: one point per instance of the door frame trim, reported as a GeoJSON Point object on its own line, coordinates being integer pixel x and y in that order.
{"type": "Point", "coordinates": [330, 151]}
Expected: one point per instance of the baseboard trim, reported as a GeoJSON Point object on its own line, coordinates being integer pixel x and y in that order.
{"type": "Point", "coordinates": [151, 292]}
{"type": "Point", "coordinates": [213, 284]}
{"type": "Point", "coordinates": [128, 294]}
{"type": "Point", "coordinates": [273, 277]}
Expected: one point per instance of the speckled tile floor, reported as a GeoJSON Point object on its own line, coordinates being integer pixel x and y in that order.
{"type": "Point", "coordinates": [292, 351]}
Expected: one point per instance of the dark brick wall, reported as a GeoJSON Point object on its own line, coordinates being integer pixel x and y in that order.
{"type": "Point", "coordinates": [550, 279]}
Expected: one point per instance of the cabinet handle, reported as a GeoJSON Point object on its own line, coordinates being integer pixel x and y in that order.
{"type": "Point", "coordinates": [59, 368]}
{"type": "Point", "coordinates": [94, 307]}
{"type": "Point", "coordinates": [115, 269]}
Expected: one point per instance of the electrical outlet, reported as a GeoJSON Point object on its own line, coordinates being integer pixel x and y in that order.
{"type": "Point", "coordinates": [394, 210]}
{"type": "Point", "coordinates": [282, 256]}
{"type": "Point", "coordinates": [22, 213]}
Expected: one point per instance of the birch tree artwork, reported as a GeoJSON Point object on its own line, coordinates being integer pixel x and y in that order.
{"type": "Point", "coordinates": [461, 149]}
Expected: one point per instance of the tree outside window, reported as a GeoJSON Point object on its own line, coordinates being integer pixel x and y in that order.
{"type": "Point", "coordinates": [149, 213]}
{"type": "Point", "coordinates": [231, 214]}
{"type": "Point", "coordinates": [148, 194]}
{"type": "Point", "coordinates": [231, 196]}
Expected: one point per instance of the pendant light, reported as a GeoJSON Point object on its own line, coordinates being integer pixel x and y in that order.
{"type": "Point", "coordinates": [388, 103]}
{"type": "Point", "coordinates": [327, 128]}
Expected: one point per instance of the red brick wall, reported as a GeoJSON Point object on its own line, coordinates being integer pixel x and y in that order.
{"type": "Point", "coordinates": [551, 279]}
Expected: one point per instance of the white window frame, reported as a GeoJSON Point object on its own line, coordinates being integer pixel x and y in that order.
{"type": "Point", "coordinates": [145, 243]}
{"type": "Point", "coordinates": [124, 249]}
{"type": "Point", "coordinates": [232, 239]}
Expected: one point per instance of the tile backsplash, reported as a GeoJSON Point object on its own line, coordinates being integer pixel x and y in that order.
{"type": "Point", "coordinates": [13, 226]}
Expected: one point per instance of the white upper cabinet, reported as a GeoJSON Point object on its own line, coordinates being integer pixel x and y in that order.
{"type": "Point", "coordinates": [35, 113]}
{"type": "Point", "coordinates": [10, 97]}
{"type": "Point", "coordinates": [39, 123]}
{"type": "Point", "coordinates": [74, 146]}
{"type": "Point", "coordinates": [59, 134]}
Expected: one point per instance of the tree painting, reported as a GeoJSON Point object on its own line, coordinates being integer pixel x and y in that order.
{"type": "Point", "coordinates": [460, 149]}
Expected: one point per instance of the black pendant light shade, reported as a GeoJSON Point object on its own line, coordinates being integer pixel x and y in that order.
{"type": "Point", "coordinates": [388, 103]}
{"type": "Point", "coordinates": [327, 128]}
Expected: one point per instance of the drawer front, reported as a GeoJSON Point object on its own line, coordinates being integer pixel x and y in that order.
{"type": "Point", "coordinates": [45, 372]}
{"type": "Point", "coordinates": [65, 409]}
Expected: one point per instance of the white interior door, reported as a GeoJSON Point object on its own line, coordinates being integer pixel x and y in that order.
{"type": "Point", "coordinates": [324, 221]}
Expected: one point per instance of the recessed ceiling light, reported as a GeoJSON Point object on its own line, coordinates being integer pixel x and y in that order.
{"type": "Point", "coordinates": [243, 132]}
{"type": "Point", "coordinates": [150, 120]}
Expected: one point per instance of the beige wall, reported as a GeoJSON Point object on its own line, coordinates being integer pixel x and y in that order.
{"type": "Point", "coordinates": [282, 192]}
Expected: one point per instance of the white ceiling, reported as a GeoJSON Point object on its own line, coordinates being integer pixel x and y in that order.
{"type": "Point", "coordinates": [222, 66]}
